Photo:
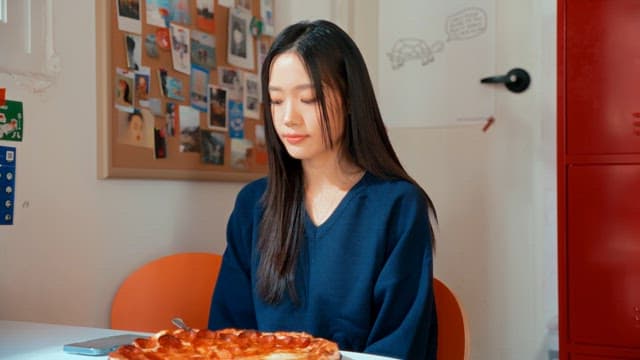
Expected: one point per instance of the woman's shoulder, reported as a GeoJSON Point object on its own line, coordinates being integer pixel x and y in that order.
{"type": "Point", "coordinates": [253, 190]}
{"type": "Point", "coordinates": [391, 187]}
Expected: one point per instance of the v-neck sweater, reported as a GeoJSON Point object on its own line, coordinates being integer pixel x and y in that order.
{"type": "Point", "coordinates": [363, 277]}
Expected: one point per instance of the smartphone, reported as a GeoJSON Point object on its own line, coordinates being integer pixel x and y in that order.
{"type": "Point", "coordinates": [100, 346]}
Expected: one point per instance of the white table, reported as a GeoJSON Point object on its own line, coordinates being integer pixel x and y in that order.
{"type": "Point", "coordinates": [20, 340]}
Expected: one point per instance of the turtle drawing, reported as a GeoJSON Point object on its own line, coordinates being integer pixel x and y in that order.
{"type": "Point", "coordinates": [413, 49]}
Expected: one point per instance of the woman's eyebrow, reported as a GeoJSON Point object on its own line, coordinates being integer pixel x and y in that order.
{"type": "Point", "coordinates": [296, 88]}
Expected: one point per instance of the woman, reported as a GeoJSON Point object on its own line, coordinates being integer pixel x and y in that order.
{"type": "Point", "coordinates": [336, 241]}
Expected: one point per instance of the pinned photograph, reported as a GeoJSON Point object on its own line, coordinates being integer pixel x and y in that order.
{"type": "Point", "coordinates": [160, 143]}
{"type": "Point", "coordinates": [240, 153]}
{"type": "Point", "coordinates": [163, 38]}
{"type": "Point", "coordinates": [158, 12]}
{"type": "Point", "coordinates": [251, 96]}
{"type": "Point", "coordinates": [123, 90]}
{"type": "Point", "coordinates": [205, 19]}
{"type": "Point", "coordinates": [179, 11]}
{"type": "Point", "coordinates": [172, 117]}
{"type": "Point", "coordinates": [244, 4]}
{"type": "Point", "coordinates": [266, 11]}
{"type": "Point", "coordinates": [227, 3]}
{"type": "Point", "coordinates": [199, 87]}
{"type": "Point", "coordinates": [263, 47]}
{"type": "Point", "coordinates": [189, 129]}
{"type": "Point", "coordinates": [203, 49]}
{"type": "Point", "coordinates": [136, 128]}
{"type": "Point", "coordinates": [231, 79]}
{"type": "Point", "coordinates": [155, 105]}
{"type": "Point", "coordinates": [170, 86]}
{"type": "Point", "coordinates": [129, 16]}
{"type": "Point", "coordinates": [236, 119]}
{"type": "Point", "coordinates": [180, 48]}
{"type": "Point", "coordinates": [151, 46]}
{"type": "Point", "coordinates": [212, 147]}
{"type": "Point", "coordinates": [217, 108]}
{"type": "Point", "coordinates": [133, 47]}
{"type": "Point", "coordinates": [240, 41]}
{"type": "Point", "coordinates": [142, 79]}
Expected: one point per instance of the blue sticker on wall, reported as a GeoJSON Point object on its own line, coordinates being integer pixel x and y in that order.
{"type": "Point", "coordinates": [7, 184]}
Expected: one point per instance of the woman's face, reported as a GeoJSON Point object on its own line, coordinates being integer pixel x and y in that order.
{"type": "Point", "coordinates": [135, 128]}
{"type": "Point", "coordinates": [296, 113]}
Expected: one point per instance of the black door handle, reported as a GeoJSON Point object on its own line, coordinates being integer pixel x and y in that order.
{"type": "Point", "coordinates": [516, 80]}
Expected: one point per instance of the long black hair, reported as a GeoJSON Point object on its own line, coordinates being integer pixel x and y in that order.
{"type": "Point", "coordinates": [332, 60]}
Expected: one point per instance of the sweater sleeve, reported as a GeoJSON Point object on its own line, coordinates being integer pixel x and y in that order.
{"type": "Point", "coordinates": [232, 304]}
{"type": "Point", "coordinates": [405, 323]}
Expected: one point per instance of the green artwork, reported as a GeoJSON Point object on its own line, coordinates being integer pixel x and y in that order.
{"type": "Point", "coordinates": [11, 121]}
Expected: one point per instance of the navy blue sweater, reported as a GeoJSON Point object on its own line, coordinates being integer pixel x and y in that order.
{"type": "Point", "coordinates": [364, 276]}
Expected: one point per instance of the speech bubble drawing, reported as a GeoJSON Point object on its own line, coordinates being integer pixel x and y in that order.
{"type": "Point", "coordinates": [466, 24]}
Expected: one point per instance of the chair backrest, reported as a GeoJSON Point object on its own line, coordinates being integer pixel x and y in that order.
{"type": "Point", "coordinates": [453, 332]}
{"type": "Point", "coordinates": [178, 285]}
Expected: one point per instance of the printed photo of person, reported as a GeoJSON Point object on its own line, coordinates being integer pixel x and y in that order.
{"type": "Point", "coordinates": [136, 128]}
{"type": "Point", "coordinates": [124, 90]}
{"type": "Point", "coordinates": [142, 81]}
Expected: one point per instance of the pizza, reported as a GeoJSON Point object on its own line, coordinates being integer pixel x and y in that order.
{"type": "Point", "coordinates": [228, 344]}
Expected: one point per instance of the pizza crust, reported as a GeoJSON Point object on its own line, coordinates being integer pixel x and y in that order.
{"type": "Point", "coordinates": [228, 344]}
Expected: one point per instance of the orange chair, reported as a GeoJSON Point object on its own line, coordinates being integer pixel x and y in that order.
{"type": "Point", "coordinates": [177, 285]}
{"type": "Point", "coordinates": [453, 333]}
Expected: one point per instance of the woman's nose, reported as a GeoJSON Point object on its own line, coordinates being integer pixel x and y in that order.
{"type": "Point", "coordinates": [290, 115]}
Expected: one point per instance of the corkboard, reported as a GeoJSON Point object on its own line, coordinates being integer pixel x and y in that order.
{"type": "Point", "coordinates": [121, 160]}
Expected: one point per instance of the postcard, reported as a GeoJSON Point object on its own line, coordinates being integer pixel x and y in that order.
{"type": "Point", "coordinates": [240, 153]}
{"type": "Point", "coordinates": [133, 48]}
{"type": "Point", "coordinates": [180, 48]}
{"type": "Point", "coordinates": [158, 12]}
{"type": "Point", "coordinates": [217, 115]}
{"type": "Point", "coordinates": [212, 147]}
{"type": "Point", "coordinates": [189, 129]}
{"type": "Point", "coordinates": [199, 87]}
{"type": "Point", "coordinates": [266, 12]}
{"type": "Point", "coordinates": [251, 96]}
{"type": "Point", "coordinates": [205, 19]}
{"type": "Point", "coordinates": [240, 41]}
{"type": "Point", "coordinates": [179, 12]}
{"type": "Point", "coordinates": [236, 119]}
{"type": "Point", "coordinates": [129, 15]}
{"type": "Point", "coordinates": [203, 49]}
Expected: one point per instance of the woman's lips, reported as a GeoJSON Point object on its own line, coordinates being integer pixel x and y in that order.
{"type": "Point", "coordinates": [294, 138]}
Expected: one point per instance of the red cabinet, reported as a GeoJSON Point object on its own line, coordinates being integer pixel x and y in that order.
{"type": "Point", "coordinates": [599, 179]}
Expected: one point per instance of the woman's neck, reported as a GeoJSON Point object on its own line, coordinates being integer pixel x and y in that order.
{"type": "Point", "coordinates": [326, 184]}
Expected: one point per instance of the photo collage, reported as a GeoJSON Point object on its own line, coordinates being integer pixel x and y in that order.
{"type": "Point", "coordinates": [186, 80]}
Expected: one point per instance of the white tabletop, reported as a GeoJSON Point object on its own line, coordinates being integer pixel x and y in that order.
{"type": "Point", "coordinates": [21, 340]}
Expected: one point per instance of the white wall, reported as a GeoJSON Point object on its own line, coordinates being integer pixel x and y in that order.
{"type": "Point", "coordinates": [79, 237]}
{"type": "Point", "coordinates": [494, 191]}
